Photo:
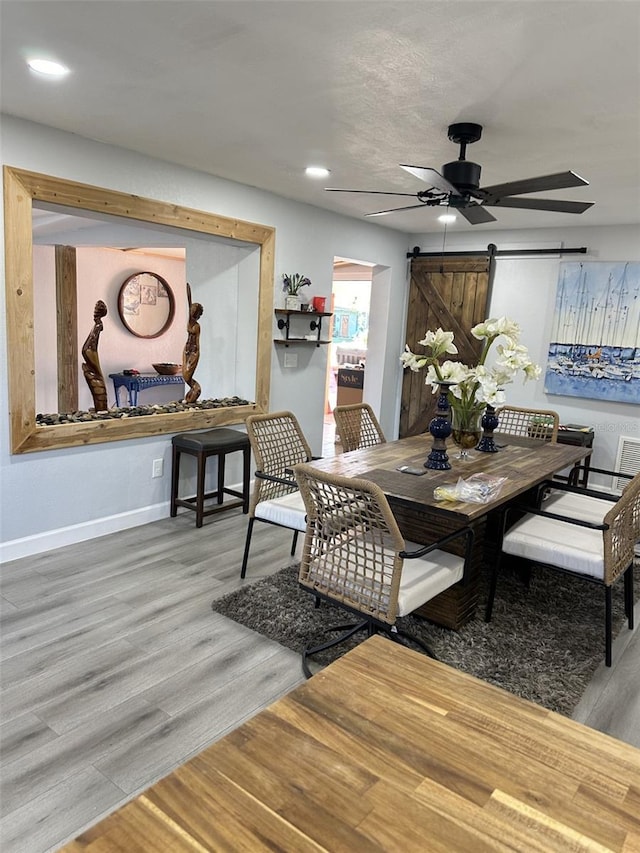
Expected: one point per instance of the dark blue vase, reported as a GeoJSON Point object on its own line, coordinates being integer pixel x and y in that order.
{"type": "Point", "coordinates": [489, 422]}
{"type": "Point", "coordinates": [440, 429]}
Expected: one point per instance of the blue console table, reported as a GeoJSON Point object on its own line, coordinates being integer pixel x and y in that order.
{"type": "Point", "coordinates": [133, 384]}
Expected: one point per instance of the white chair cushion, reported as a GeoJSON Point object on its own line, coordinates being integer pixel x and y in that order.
{"type": "Point", "coordinates": [557, 543]}
{"type": "Point", "coordinates": [425, 577]}
{"type": "Point", "coordinates": [583, 507]}
{"type": "Point", "coordinates": [421, 579]}
{"type": "Point", "coordinates": [287, 511]}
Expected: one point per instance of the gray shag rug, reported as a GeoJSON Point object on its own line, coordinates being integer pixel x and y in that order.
{"type": "Point", "coordinates": [544, 642]}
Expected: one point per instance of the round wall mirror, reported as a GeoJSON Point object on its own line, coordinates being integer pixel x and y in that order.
{"type": "Point", "coordinates": [146, 305]}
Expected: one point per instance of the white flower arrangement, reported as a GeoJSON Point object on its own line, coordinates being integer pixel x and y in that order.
{"type": "Point", "coordinates": [479, 386]}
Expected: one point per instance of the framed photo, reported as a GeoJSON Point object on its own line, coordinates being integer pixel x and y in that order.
{"type": "Point", "coordinates": [131, 297]}
{"type": "Point", "coordinates": [148, 294]}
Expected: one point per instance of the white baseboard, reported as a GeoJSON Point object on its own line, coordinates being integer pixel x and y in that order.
{"type": "Point", "coordinates": [50, 539]}
{"type": "Point", "coordinates": [30, 545]}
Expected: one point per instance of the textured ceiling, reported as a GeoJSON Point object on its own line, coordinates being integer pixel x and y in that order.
{"type": "Point", "coordinates": [254, 91]}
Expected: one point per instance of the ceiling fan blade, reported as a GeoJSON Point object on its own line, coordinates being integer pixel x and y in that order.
{"type": "Point", "coordinates": [556, 205]}
{"type": "Point", "coordinates": [475, 214]}
{"type": "Point", "coordinates": [369, 192]}
{"type": "Point", "coordinates": [558, 181]}
{"type": "Point", "coordinates": [394, 210]}
{"type": "Point", "coordinates": [431, 177]}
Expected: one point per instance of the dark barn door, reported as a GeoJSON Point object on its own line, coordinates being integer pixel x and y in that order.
{"type": "Point", "coordinates": [451, 293]}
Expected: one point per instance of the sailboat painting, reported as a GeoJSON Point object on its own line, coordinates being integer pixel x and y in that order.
{"type": "Point", "coordinates": [595, 338]}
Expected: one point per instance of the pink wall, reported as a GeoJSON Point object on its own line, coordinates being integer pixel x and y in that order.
{"type": "Point", "coordinates": [100, 273]}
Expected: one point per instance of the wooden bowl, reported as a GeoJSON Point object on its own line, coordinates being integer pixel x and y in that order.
{"type": "Point", "coordinates": [167, 368]}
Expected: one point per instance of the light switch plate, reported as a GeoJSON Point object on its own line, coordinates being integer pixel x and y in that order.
{"type": "Point", "coordinates": [291, 359]}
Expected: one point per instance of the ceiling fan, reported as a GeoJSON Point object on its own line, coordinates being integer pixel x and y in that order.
{"type": "Point", "coordinates": [458, 186]}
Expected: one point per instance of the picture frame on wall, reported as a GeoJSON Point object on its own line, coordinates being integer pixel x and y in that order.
{"type": "Point", "coordinates": [148, 294]}
{"type": "Point", "coordinates": [594, 351]}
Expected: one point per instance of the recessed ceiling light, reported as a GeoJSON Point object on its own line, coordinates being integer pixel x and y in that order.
{"type": "Point", "coordinates": [447, 217]}
{"type": "Point", "coordinates": [316, 172]}
{"type": "Point", "coordinates": [48, 67]}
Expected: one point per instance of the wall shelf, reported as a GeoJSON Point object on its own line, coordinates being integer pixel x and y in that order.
{"type": "Point", "coordinates": [315, 325]}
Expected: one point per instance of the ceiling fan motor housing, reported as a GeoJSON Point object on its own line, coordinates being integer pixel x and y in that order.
{"type": "Point", "coordinates": [464, 132]}
{"type": "Point", "coordinates": [458, 185]}
{"type": "Point", "coordinates": [463, 174]}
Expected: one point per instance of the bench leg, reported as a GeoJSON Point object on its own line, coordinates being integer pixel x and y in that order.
{"type": "Point", "coordinates": [175, 478]}
{"type": "Point", "coordinates": [200, 489]}
{"type": "Point", "coordinates": [221, 460]}
{"type": "Point", "coordinates": [246, 474]}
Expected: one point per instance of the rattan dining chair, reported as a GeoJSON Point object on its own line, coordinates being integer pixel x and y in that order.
{"type": "Point", "coordinates": [599, 550]}
{"type": "Point", "coordinates": [355, 557]}
{"type": "Point", "coordinates": [587, 504]}
{"type": "Point", "coordinates": [357, 426]}
{"type": "Point", "coordinates": [277, 443]}
{"type": "Point", "coordinates": [529, 423]}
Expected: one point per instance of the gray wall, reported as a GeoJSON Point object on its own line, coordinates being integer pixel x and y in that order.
{"type": "Point", "coordinates": [55, 497]}
{"type": "Point", "coordinates": [52, 498]}
{"type": "Point", "coordinates": [524, 289]}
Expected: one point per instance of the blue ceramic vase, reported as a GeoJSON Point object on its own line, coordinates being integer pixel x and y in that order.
{"type": "Point", "coordinates": [440, 428]}
{"type": "Point", "coordinates": [489, 422]}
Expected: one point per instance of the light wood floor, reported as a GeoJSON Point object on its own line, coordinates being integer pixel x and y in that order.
{"type": "Point", "coordinates": [115, 670]}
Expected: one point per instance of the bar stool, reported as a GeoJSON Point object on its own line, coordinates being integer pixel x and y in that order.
{"type": "Point", "coordinates": [202, 445]}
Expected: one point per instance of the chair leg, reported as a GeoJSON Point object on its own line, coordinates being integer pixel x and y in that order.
{"type": "Point", "coordinates": [247, 544]}
{"type": "Point", "coordinates": [394, 633]}
{"type": "Point", "coordinates": [348, 632]}
{"type": "Point", "coordinates": [608, 629]}
{"type": "Point", "coordinates": [628, 596]}
{"type": "Point", "coordinates": [294, 543]}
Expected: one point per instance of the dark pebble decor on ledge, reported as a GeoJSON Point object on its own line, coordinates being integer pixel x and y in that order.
{"type": "Point", "coordinates": [137, 411]}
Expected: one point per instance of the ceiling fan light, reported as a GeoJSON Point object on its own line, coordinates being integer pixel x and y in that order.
{"type": "Point", "coordinates": [48, 67]}
{"type": "Point", "coordinates": [447, 218]}
{"type": "Point", "coordinates": [316, 172]}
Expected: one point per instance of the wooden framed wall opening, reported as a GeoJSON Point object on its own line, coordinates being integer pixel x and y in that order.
{"type": "Point", "coordinates": [21, 189]}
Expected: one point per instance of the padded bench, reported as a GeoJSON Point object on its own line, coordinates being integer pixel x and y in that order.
{"type": "Point", "coordinates": [202, 445]}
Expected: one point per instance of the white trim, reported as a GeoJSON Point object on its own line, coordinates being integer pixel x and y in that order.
{"type": "Point", "coordinates": [29, 545]}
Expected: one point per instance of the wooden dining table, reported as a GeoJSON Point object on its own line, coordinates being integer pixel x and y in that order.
{"type": "Point", "coordinates": [523, 463]}
{"type": "Point", "coordinates": [388, 750]}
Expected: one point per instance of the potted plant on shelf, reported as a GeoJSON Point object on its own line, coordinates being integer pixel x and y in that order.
{"type": "Point", "coordinates": [291, 284]}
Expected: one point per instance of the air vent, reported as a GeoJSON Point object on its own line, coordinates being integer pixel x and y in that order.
{"type": "Point", "coordinates": [627, 461]}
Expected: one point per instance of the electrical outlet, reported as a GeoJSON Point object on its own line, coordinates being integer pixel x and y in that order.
{"type": "Point", "coordinates": [291, 359]}
{"type": "Point", "coordinates": [158, 468]}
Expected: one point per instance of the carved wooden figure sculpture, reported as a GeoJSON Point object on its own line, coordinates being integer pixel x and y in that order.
{"type": "Point", "coordinates": [191, 354]}
{"type": "Point", "coordinates": [91, 367]}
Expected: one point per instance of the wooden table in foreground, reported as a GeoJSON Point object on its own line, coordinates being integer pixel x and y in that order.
{"type": "Point", "coordinates": [421, 518]}
{"type": "Point", "coordinates": [387, 750]}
